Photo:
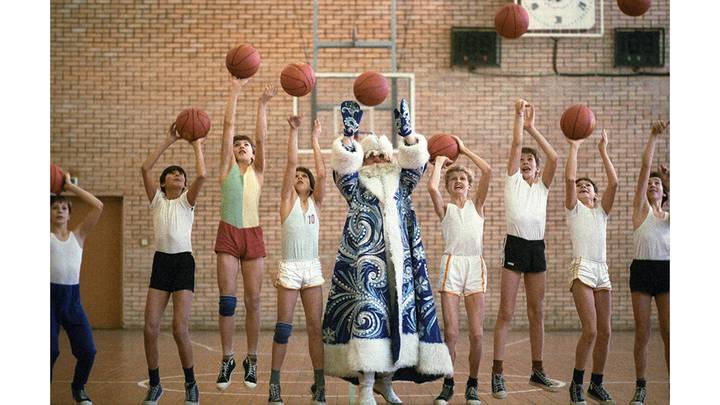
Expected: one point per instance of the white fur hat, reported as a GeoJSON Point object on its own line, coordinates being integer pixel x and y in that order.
{"type": "Point", "coordinates": [372, 142]}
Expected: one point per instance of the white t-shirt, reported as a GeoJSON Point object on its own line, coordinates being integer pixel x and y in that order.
{"type": "Point", "coordinates": [462, 230]}
{"type": "Point", "coordinates": [525, 207]}
{"type": "Point", "coordinates": [172, 220]}
{"type": "Point", "coordinates": [65, 260]}
{"type": "Point", "coordinates": [588, 228]}
{"type": "Point", "coordinates": [652, 238]}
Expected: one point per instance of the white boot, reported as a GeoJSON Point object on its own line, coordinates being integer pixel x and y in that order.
{"type": "Point", "coordinates": [366, 389]}
{"type": "Point", "coordinates": [383, 386]}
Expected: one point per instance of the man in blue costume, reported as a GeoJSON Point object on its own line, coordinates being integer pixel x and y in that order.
{"type": "Point", "coordinates": [380, 323]}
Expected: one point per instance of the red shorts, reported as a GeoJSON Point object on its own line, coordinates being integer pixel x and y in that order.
{"type": "Point", "coordinates": [243, 243]}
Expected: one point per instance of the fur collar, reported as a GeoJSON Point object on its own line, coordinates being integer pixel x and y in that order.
{"type": "Point", "coordinates": [381, 180]}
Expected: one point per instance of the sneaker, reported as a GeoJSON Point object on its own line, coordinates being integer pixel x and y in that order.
{"type": "Point", "coordinates": [498, 386]}
{"type": "Point", "coordinates": [539, 379]}
{"type": "Point", "coordinates": [598, 393]}
{"type": "Point", "coordinates": [576, 394]}
{"type": "Point", "coordinates": [639, 397]}
{"type": "Point", "coordinates": [471, 396]}
{"type": "Point", "coordinates": [274, 398]}
{"type": "Point", "coordinates": [81, 397]}
{"type": "Point", "coordinates": [153, 395]}
{"type": "Point", "coordinates": [250, 367]}
{"type": "Point", "coordinates": [383, 386]}
{"type": "Point", "coordinates": [318, 395]}
{"type": "Point", "coordinates": [445, 395]}
{"type": "Point", "coordinates": [192, 394]}
{"type": "Point", "coordinates": [226, 369]}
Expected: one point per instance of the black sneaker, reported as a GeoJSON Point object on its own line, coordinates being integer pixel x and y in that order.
{"type": "Point", "coordinates": [318, 395]}
{"type": "Point", "coordinates": [498, 386]}
{"type": "Point", "coordinates": [539, 379]}
{"type": "Point", "coordinates": [274, 398]}
{"type": "Point", "coordinates": [192, 394]}
{"type": "Point", "coordinates": [153, 395]}
{"type": "Point", "coordinates": [639, 397]}
{"type": "Point", "coordinates": [445, 395]}
{"type": "Point", "coordinates": [226, 369]}
{"type": "Point", "coordinates": [576, 394]}
{"type": "Point", "coordinates": [250, 372]}
{"type": "Point", "coordinates": [598, 393]}
{"type": "Point", "coordinates": [471, 396]}
{"type": "Point", "coordinates": [81, 397]}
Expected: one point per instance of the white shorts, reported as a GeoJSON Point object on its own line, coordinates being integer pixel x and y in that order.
{"type": "Point", "coordinates": [463, 275]}
{"type": "Point", "coordinates": [298, 275]}
{"type": "Point", "coordinates": [591, 273]}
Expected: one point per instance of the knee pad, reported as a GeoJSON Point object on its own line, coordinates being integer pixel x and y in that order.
{"type": "Point", "coordinates": [227, 305]}
{"type": "Point", "coordinates": [282, 333]}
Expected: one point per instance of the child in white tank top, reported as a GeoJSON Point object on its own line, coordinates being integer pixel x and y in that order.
{"type": "Point", "coordinates": [590, 282]}
{"type": "Point", "coordinates": [462, 268]}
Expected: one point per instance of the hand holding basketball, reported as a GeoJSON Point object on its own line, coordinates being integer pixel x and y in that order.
{"type": "Point", "coordinates": [602, 144]}
{"type": "Point", "coordinates": [68, 181]}
{"type": "Point", "coordinates": [172, 134]}
{"type": "Point", "coordinates": [443, 161]}
{"type": "Point", "coordinates": [268, 93]}
{"type": "Point", "coordinates": [461, 144]}
{"type": "Point", "coordinates": [658, 127]}
{"type": "Point", "coordinates": [529, 122]}
{"type": "Point", "coordinates": [236, 84]}
{"type": "Point", "coordinates": [295, 121]}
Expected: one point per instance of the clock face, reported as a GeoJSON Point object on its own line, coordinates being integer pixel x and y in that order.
{"type": "Point", "coordinates": [560, 14]}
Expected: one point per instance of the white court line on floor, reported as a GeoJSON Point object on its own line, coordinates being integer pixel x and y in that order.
{"type": "Point", "coordinates": [517, 341]}
{"type": "Point", "coordinates": [208, 348]}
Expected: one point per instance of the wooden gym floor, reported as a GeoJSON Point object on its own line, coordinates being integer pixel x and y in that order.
{"type": "Point", "coordinates": [119, 375]}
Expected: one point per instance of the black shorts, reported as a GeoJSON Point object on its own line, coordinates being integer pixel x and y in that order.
{"type": "Point", "coordinates": [650, 276]}
{"type": "Point", "coordinates": [173, 272]}
{"type": "Point", "coordinates": [525, 256]}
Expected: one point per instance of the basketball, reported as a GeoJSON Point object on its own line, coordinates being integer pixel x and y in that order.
{"type": "Point", "coordinates": [443, 145]}
{"type": "Point", "coordinates": [243, 61]}
{"type": "Point", "coordinates": [511, 21]}
{"type": "Point", "coordinates": [192, 123]}
{"type": "Point", "coordinates": [297, 79]}
{"type": "Point", "coordinates": [634, 8]}
{"type": "Point", "coordinates": [57, 179]}
{"type": "Point", "coordinates": [371, 88]}
{"type": "Point", "coordinates": [577, 122]}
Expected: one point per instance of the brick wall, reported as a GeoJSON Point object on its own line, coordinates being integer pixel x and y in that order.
{"type": "Point", "coordinates": [122, 70]}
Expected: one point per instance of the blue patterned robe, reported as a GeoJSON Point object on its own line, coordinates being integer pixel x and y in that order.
{"type": "Point", "coordinates": [380, 314]}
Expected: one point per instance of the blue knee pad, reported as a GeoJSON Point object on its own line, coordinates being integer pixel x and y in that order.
{"type": "Point", "coordinates": [227, 305]}
{"type": "Point", "coordinates": [282, 333]}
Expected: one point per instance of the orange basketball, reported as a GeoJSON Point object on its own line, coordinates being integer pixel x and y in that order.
{"type": "Point", "coordinates": [511, 21]}
{"type": "Point", "coordinates": [297, 79]}
{"type": "Point", "coordinates": [371, 88]}
{"type": "Point", "coordinates": [577, 122]}
{"type": "Point", "coordinates": [57, 179]}
{"type": "Point", "coordinates": [192, 123]}
{"type": "Point", "coordinates": [443, 145]}
{"type": "Point", "coordinates": [243, 61]}
{"type": "Point", "coordinates": [634, 8]}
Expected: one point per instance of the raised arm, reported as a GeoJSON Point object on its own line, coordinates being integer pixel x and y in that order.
{"type": "Point", "coordinates": [483, 184]}
{"type": "Point", "coordinates": [320, 173]}
{"type": "Point", "coordinates": [261, 129]}
{"type": "Point", "coordinates": [640, 202]}
{"type": "Point", "coordinates": [550, 154]}
{"type": "Point", "coordinates": [201, 173]}
{"type": "Point", "coordinates": [227, 158]}
{"type": "Point", "coordinates": [608, 197]}
{"type": "Point", "coordinates": [92, 217]}
{"type": "Point", "coordinates": [287, 191]}
{"type": "Point", "coordinates": [434, 186]}
{"type": "Point", "coordinates": [571, 174]}
{"type": "Point", "coordinates": [517, 139]}
{"type": "Point", "coordinates": [149, 163]}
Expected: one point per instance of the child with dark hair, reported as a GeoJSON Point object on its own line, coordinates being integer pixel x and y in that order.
{"type": "Point", "coordinates": [173, 269]}
{"type": "Point", "coordinates": [66, 311]}
{"type": "Point", "coordinates": [650, 268]}
{"type": "Point", "coordinates": [590, 281]}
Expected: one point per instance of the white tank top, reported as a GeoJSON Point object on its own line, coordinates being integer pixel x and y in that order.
{"type": "Point", "coordinates": [652, 238]}
{"type": "Point", "coordinates": [65, 260]}
{"type": "Point", "coordinates": [588, 229]}
{"type": "Point", "coordinates": [525, 207]}
{"type": "Point", "coordinates": [462, 230]}
{"type": "Point", "coordinates": [300, 233]}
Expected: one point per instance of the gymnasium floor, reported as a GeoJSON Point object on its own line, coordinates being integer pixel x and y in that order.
{"type": "Point", "coordinates": [119, 375]}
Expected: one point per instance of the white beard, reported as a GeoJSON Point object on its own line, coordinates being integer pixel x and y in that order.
{"type": "Point", "coordinates": [381, 179]}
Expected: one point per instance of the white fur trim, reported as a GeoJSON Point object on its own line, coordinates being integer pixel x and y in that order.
{"type": "Point", "coordinates": [413, 156]}
{"type": "Point", "coordinates": [377, 143]}
{"type": "Point", "coordinates": [347, 360]}
{"type": "Point", "coordinates": [344, 161]}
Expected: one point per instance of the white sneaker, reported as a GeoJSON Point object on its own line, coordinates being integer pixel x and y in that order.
{"type": "Point", "coordinates": [385, 389]}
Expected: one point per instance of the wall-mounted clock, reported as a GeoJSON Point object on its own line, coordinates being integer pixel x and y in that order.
{"type": "Point", "coordinates": [564, 17]}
